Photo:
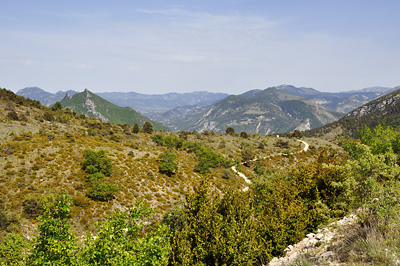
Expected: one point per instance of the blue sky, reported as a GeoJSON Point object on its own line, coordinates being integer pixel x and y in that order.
{"type": "Point", "coordinates": [232, 46]}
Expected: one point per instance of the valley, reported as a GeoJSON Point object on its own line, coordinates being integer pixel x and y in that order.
{"type": "Point", "coordinates": [258, 193]}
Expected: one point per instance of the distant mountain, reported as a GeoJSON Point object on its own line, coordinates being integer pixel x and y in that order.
{"type": "Point", "coordinates": [341, 102]}
{"type": "Point", "coordinates": [149, 104]}
{"type": "Point", "coordinates": [385, 108]}
{"type": "Point", "coordinates": [92, 105]}
{"type": "Point", "coordinates": [45, 98]}
{"type": "Point", "coordinates": [159, 103]}
{"type": "Point", "coordinates": [258, 111]}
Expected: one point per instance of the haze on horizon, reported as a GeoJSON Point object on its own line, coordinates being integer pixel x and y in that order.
{"type": "Point", "coordinates": [231, 46]}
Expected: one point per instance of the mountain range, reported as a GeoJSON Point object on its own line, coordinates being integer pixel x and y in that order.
{"type": "Point", "coordinates": [277, 109]}
{"type": "Point", "coordinates": [385, 108]}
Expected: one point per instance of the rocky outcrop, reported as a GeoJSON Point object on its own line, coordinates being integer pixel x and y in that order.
{"type": "Point", "coordinates": [91, 107]}
{"type": "Point", "coordinates": [317, 246]}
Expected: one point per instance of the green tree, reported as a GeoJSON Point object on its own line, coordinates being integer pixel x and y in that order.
{"type": "Point", "coordinates": [168, 163]}
{"type": "Point", "coordinates": [57, 106]}
{"type": "Point", "coordinates": [247, 155]}
{"type": "Point", "coordinates": [96, 162]}
{"type": "Point", "coordinates": [216, 229]}
{"type": "Point", "coordinates": [120, 241]}
{"type": "Point", "coordinates": [230, 131]}
{"type": "Point", "coordinates": [97, 166]}
{"type": "Point", "coordinates": [147, 127]}
{"type": "Point", "coordinates": [55, 244]}
{"type": "Point", "coordinates": [244, 135]}
{"type": "Point", "coordinates": [136, 128]}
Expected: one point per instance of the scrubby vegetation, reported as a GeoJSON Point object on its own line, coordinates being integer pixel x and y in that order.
{"type": "Point", "coordinates": [78, 191]}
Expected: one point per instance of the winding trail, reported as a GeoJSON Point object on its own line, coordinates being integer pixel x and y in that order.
{"type": "Point", "coordinates": [248, 181]}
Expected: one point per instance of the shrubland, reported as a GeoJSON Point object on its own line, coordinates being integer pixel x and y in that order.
{"type": "Point", "coordinates": [78, 191]}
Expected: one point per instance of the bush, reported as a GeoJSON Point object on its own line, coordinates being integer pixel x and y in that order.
{"type": "Point", "coordinates": [12, 115]}
{"type": "Point", "coordinates": [168, 164]}
{"type": "Point", "coordinates": [101, 191]}
{"type": "Point", "coordinates": [32, 207]}
{"type": "Point", "coordinates": [13, 250]}
{"type": "Point", "coordinates": [96, 162]}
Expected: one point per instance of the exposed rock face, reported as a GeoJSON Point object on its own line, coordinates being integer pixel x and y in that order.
{"type": "Point", "coordinates": [306, 125]}
{"type": "Point", "coordinates": [91, 107]}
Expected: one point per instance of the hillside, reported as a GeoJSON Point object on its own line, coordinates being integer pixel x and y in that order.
{"type": "Point", "coordinates": [92, 105]}
{"type": "Point", "coordinates": [385, 108]}
{"type": "Point", "coordinates": [226, 199]}
{"type": "Point", "coordinates": [263, 112]}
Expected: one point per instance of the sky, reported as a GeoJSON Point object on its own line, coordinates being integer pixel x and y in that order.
{"type": "Point", "coordinates": [231, 46]}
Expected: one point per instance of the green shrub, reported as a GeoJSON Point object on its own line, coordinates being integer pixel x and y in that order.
{"type": "Point", "coordinates": [101, 191]}
{"type": "Point", "coordinates": [96, 162]}
{"type": "Point", "coordinates": [168, 163]}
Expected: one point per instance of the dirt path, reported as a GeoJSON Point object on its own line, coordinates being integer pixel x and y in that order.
{"type": "Point", "coordinates": [248, 181]}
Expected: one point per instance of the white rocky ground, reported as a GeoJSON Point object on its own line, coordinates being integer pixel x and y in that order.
{"type": "Point", "coordinates": [317, 246]}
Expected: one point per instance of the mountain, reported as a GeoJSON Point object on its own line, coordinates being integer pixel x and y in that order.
{"type": "Point", "coordinates": [92, 105]}
{"type": "Point", "coordinates": [151, 104]}
{"type": "Point", "coordinates": [341, 102]}
{"type": "Point", "coordinates": [154, 104]}
{"type": "Point", "coordinates": [259, 111]}
{"type": "Point", "coordinates": [386, 108]}
{"type": "Point", "coordinates": [45, 98]}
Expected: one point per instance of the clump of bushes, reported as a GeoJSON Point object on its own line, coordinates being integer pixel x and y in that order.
{"type": "Point", "coordinates": [98, 166]}
{"type": "Point", "coordinates": [168, 163]}
{"type": "Point", "coordinates": [207, 158]}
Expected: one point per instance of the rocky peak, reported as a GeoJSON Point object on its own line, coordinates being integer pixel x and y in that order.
{"type": "Point", "coordinates": [91, 106]}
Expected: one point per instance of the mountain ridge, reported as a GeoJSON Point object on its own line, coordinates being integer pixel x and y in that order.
{"type": "Point", "coordinates": [93, 105]}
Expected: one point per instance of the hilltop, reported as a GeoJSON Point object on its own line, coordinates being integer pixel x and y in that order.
{"type": "Point", "coordinates": [92, 105]}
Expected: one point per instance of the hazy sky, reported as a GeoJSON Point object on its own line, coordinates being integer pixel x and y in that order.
{"type": "Point", "coordinates": [160, 46]}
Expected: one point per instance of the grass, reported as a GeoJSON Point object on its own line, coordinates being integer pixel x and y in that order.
{"type": "Point", "coordinates": [370, 243]}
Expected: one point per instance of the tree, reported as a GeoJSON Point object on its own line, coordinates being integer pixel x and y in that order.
{"type": "Point", "coordinates": [216, 229]}
{"type": "Point", "coordinates": [57, 106]}
{"type": "Point", "coordinates": [120, 241]}
{"type": "Point", "coordinates": [96, 162]}
{"type": "Point", "coordinates": [247, 155]}
{"type": "Point", "coordinates": [168, 164]}
{"type": "Point", "coordinates": [55, 244]}
{"type": "Point", "coordinates": [136, 128]}
{"type": "Point", "coordinates": [296, 134]}
{"type": "Point", "coordinates": [97, 166]}
{"type": "Point", "coordinates": [244, 135]}
{"type": "Point", "coordinates": [230, 131]}
{"type": "Point", "coordinates": [147, 127]}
